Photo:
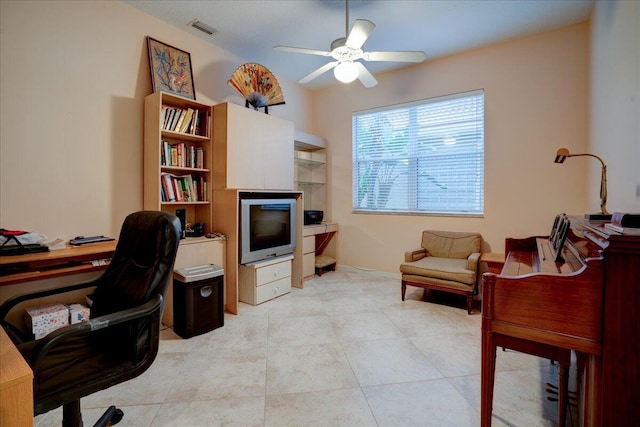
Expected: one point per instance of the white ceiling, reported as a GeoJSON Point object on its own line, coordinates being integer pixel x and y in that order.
{"type": "Point", "coordinates": [250, 28]}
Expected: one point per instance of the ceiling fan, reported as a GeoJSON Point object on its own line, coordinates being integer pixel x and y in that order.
{"type": "Point", "coordinates": [347, 50]}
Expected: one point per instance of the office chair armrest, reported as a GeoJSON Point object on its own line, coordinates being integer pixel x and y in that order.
{"type": "Point", "coordinates": [11, 302]}
{"type": "Point", "coordinates": [49, 342]}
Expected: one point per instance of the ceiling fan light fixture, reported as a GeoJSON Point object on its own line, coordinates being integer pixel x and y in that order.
{"type": "Point", "coordinates": [346, 72]}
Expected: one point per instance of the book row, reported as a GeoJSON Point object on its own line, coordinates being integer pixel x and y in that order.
{"type": "Point", "coordinates": [182, 188]}
{"type": "Point", "coordinates": [184, 120]}
{"type": "Point", "coordinates": [181, 155]}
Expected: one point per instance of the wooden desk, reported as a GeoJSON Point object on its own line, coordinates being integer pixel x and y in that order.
{"type": "Point", "coordinates": [16, 386]}
{"type": "Point", "coordinates": [315, 239]}
{"type": "Point", "coordinates": [47, 265]}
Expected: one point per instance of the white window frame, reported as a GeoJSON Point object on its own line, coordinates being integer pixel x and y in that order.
{"type": "Point", "coordinates": [445, 135]}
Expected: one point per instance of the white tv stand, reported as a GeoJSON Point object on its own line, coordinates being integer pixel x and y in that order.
{"type": "Point", "coordinates": [264, 280]}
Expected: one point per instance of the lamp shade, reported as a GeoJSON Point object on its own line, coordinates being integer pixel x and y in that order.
{"type": "Point", "coordinates": [346, 72]}
{"type": "Point", "coordinates": [562, 155]}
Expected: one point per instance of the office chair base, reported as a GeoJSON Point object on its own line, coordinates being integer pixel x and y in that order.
{"type": "Point", "coordinates": [72, 417]}
{"type": "Point", "coordinates": [111, 416]}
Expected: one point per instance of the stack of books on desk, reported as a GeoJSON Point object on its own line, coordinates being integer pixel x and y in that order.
{"type": "Point", "coordinates": [624, 223]}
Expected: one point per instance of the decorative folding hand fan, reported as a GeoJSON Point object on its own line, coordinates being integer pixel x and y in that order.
{"type": "Point", "coordinates": [257, 85]}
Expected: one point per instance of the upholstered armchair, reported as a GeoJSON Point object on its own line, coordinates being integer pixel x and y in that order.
{"type": "Point", "coordinates": [446, 261]}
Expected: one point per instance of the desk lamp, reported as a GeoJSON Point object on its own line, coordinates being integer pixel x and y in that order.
{"type": "Point", "coordinates": [562, 155]}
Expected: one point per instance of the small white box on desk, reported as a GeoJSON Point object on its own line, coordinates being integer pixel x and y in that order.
{"type": "Point", "coordinates": [47, 319]}
{"type": "Point", "coordinates": [77, 313]}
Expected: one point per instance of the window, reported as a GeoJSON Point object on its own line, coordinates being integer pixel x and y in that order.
{"type": "Point", "coordinates": [423, 157]}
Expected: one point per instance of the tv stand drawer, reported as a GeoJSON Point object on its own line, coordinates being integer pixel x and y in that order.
{"type": "Point", "coordinates": [261, 281]}
{"type": "Point", "coordinates": [272, 290]}
{"type": "Point", "coordinates": [273, 272]}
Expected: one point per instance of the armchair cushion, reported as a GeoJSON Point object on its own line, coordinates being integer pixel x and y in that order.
{"type": "Point", "coordinates": [450, 244]}
{"type": "Point", "coordinates": [451, 269]}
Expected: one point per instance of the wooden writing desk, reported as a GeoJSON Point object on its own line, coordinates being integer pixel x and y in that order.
{"type": "Point", "coordinates": [16, 386]}
{"type": "Point", "coordinates": [47, 265]}
{"type": "Point", "coordinates": [16, 377]}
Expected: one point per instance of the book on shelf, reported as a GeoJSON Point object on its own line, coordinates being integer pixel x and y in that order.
{"type": "Point", "coordinates": [201, 125]}
{"type": "Point", "coordinates": [187, 121]}
{"type": "Point", "coordinates": [181, 155]}
{"type": "Point", "coordinates": [182, 188]}
{"type": "Point", "coordinates": [194, 120]}
{"type": "Point", "coordinates": [184, 120]}
{"type": "Point", "coordinates": [178, 123]}
{"type": "Point", "coordinates": [622, 219]}
{"type": "Point", "coordinates": [174, 118]}
{"type": "Point", "coordinates": [167, 186]}
{"type": "Point", "coordinates": [171, 113]}
{"type": "Point", "coordinates": [163, 115]}
{"type": "Point", "coordinates": [622, 230]}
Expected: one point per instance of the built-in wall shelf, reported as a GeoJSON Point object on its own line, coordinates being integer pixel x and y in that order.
{"type": "Point", "coordinates": [310, 173]}
{"type": "Point", "coordinates": [309, 183]}
{"type": "Point", "coordinates": [309, 162]}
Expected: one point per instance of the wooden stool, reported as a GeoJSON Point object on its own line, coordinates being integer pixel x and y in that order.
{"type": "Point", "coordinates": [324, 263]}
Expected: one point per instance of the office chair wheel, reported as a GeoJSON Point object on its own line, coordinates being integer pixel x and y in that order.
{"type": "Point", "coordinates": [111, 416]}
{"type": "Point", "coordinates": [117, 417]}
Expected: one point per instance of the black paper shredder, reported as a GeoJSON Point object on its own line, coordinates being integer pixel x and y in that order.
{"type": "Point", "coordinates": [198, 299]}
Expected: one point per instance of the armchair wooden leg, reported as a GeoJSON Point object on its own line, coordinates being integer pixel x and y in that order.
{"type": "Point", "coordinates": [404, 289]}
{"type": "Point", "coordinates": [469, 304]}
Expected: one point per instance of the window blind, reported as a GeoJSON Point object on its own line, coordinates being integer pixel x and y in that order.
{"type": "Point", "coordinates": [422, 157]}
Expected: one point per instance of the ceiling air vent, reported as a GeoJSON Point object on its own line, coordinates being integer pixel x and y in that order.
{"type": "Point", "coordinates": [209, 30]}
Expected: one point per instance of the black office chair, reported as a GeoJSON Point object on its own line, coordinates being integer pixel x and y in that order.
{"type": "Point", "coordinates": [120, 341]}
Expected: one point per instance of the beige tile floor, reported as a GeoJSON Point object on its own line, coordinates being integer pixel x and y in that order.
{"type": "Point", "coordinates": [343, 351]}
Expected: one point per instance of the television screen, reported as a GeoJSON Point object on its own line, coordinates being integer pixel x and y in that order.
{"type": "Point", "coordinates": [267, 228]}
{"type": "Point", "coordinates": [270, 225]}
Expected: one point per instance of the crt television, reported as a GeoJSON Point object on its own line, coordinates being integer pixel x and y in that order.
{"type": "Point", "coordinates": [267, 228]}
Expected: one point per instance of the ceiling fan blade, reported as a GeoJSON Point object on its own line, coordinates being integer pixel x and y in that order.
{"type": "Point", "coordinates": [365, 76]}
{"type": "Point", "coordinates": [359, 33]}
{"type": "Point", "coordinates": [302, 50]}
{"type": "Point", "coordinates": [316, 73]}
{"type": "Point", "coordinates": [398, 56]}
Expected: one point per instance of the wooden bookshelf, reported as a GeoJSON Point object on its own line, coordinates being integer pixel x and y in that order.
{"type": "Point", "coordinates": [177, 160]}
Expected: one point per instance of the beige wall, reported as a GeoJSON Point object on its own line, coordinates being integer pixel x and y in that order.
{"type": "Point", "coordinates": [615, 103]}
{"type": "Point", "coordinates": [73, 80]}
{"type": "Point", "coordinates": [536, 100]}
{"type": "Point", "coordinates": [74, 76]}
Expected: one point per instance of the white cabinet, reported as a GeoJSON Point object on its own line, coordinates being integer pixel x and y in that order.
{"type": "Point", "coordinates": [251, 150]}
{"type": "Point", "coordinates": [264, 280]}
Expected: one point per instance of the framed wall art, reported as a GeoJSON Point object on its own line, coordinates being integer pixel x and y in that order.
{"type": "Point", "coordinates": [170, 69]}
